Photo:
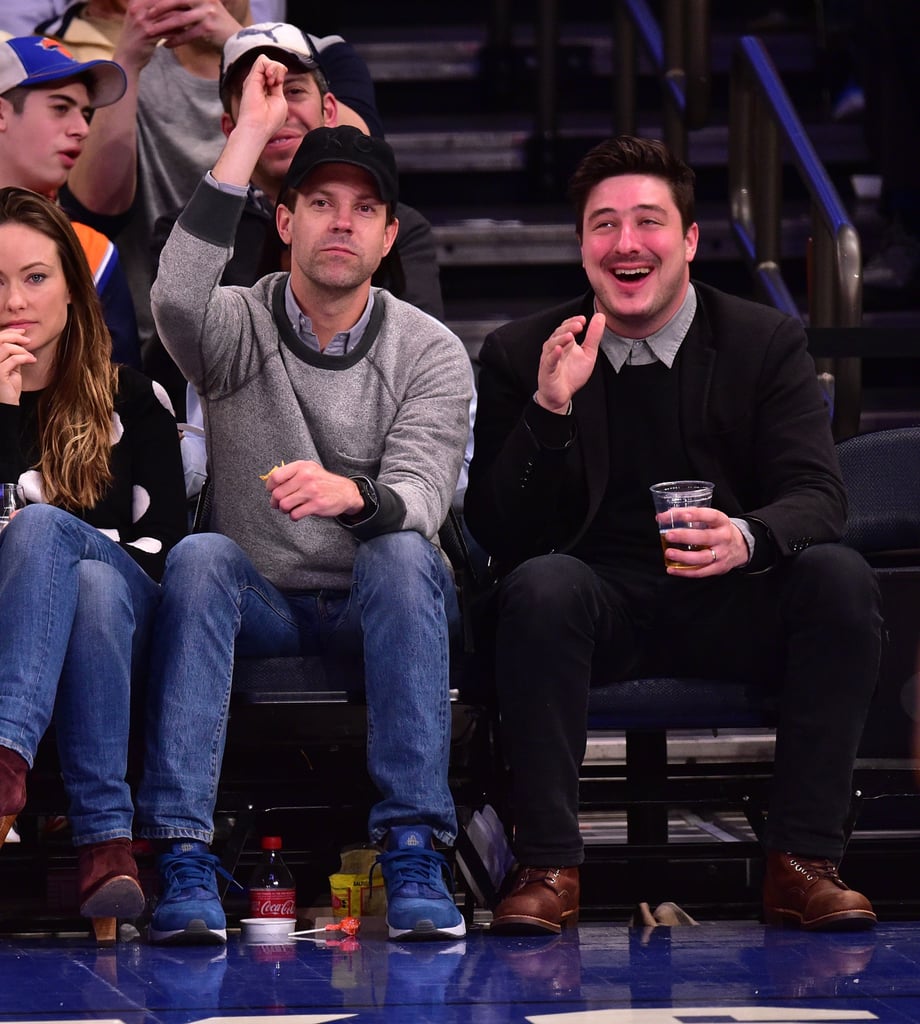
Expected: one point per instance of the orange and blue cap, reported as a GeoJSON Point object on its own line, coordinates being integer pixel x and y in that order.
{"type": "Point", "coordinates": [41, 61]}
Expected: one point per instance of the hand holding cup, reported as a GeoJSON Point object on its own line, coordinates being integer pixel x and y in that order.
{"type": "Point", "coordinates": [683, 508]}
{"type": "Point", "coordinates": [10, 502]}
{"type": "Point", "coordinates": [675, 504]}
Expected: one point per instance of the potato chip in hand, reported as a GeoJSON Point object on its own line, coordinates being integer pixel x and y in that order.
{"type": "Point", "coordinates": [265, 476]}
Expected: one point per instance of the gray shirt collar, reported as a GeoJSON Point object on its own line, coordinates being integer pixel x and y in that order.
{"type": "Point", "coordinates": [662, 346]}
{"type": "Point", "coordinates": [303, 326]}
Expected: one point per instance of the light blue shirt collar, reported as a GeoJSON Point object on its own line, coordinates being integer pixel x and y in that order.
{"type": "Point", "coordinates": [662, 346]}
{"type": "Point", "coordinates": [340, 343]}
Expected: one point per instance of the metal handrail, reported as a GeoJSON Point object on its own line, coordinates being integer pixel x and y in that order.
{"type": "Point", "coordinates": [680, 57]}
{"type": "Point", "coordinates": [762, 122]}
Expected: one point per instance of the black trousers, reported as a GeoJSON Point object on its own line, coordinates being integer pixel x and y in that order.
{"type": "Point", "coordinates": [811, 628]}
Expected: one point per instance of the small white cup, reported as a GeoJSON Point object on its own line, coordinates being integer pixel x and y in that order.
{"type": "Point", "coordinates": [261, 930]}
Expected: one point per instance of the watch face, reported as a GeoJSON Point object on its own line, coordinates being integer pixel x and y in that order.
{"type": "Point", "coordinates": [368, 494]}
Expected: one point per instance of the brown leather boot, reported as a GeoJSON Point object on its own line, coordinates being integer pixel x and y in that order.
{"type": "Point", "coordinates": [538, 900]}
{"type": "Point", "coordinates": [107, 885]}
{"type": "Point", "coordinates": [13, 771]}
{"type": "Point", "coordinates": [808, 893]}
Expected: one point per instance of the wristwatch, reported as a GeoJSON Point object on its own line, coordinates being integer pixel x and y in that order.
{"type": "Point", "coordinates": [368, 496]}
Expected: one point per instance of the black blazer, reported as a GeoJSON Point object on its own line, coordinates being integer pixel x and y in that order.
{"type": "Point", "coordinates": [752, 420]}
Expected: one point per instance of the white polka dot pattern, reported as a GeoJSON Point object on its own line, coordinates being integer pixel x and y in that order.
{"type": "Point", "coordinates": [140, 502]}
{"type": "Point", "coordinates": [149, 544]}
{"type": "Point", "coordinates": [163, 398]}
{"type": "Point", "coordinates": [118, 428]}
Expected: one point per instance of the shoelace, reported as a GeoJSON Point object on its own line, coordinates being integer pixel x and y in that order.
{"type": "Point", "coordinates": [426, 867]}
{"type": "Point", "coordinates": [191, 870]}
{"type": "Point", "coordinates": [814, 869]}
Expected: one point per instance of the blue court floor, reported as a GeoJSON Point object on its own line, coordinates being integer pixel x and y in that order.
{"type": "Point", "coordinates": [716, 973]}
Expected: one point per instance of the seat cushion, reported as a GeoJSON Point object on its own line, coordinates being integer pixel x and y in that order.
{"type": "Point", "coordinates": [672, 703]}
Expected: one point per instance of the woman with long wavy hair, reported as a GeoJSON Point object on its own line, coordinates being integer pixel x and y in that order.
{"type": "Point", "coordinates": [94, 451]}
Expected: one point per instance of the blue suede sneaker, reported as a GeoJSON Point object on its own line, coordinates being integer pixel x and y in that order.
{"type": "Point", "coordinates": [419, 904]}
{"type": "Point", "coordinates": [189, 910]}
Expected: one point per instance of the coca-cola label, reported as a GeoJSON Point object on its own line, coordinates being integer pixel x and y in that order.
{"type": "Point", "coordinates": [272, 903]}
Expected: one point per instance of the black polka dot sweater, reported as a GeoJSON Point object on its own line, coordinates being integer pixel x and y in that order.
{"type": "Point", "coordinates": [144, 509]}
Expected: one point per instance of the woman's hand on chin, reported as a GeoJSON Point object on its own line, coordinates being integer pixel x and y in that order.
{"type": "Point", "coordinates": [12, 359]}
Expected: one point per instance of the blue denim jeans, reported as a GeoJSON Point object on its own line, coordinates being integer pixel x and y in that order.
{"type": "Point", "coordinates": [77, 611]}
{"type": "Point", "coordinates": [399, 612]}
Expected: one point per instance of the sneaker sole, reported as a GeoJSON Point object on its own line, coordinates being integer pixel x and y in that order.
{"type": "Point", "coordinates": [195, 933]}
{"type": "Point", "coordinates": [427, 931]}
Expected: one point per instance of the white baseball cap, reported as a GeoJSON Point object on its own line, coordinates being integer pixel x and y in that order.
{"type": "Point", "coordinates": [276, 39]}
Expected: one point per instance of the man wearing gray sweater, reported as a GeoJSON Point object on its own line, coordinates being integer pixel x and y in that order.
{"type": "Point", "coordinates": [336, 420]}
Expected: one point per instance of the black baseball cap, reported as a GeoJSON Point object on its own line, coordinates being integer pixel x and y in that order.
{"type": "Point", "coordinates": [346, 144]}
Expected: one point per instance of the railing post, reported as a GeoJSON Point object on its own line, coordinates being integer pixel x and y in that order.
{"type": "Point", "coordinates": [835, 300]}
{"type": "Point", "coordinates": [497, 55]}
{"type": "Point", "coordinates": [767, 189]}
{"type": "Point", "coordinates": [697, 62]}
{"type": "Point", "coordinates": [547, 84]}
{"type": "Point", "coordinates": [755, 170]}
{"type": "Point", "coordinates": [740, 148]}
{"type": "Point", "coordinates": [675, 79]}
{"type": "Point", "coordinates": [543, 148]}
{"type": "Point", "coordinates": [625, 72]}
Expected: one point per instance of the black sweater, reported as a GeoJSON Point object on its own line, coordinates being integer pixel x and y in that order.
{"type": "Point", "coordinates": [144, 509]}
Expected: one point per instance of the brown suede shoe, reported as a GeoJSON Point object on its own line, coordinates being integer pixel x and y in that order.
{"type": "Point", "coordinates": [13, 771]}
{"type": "Point", "coordinates": [809, 894]}
{"type": "Point", "coordinates": [537, 900]}
{"type": "Point", "coordinates": [107, 885]}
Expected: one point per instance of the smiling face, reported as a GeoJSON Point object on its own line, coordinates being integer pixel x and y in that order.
{"type": "Point", "coordinates": [307, 108]}
{"type": "Point", "coordinates": [33, 292]}
{"type": "Point", "coordinates": [40, 144]}
{"type": "Point", "coordinates": [338, 231]}
{"type": "Point", "coordinates": [636, 253]}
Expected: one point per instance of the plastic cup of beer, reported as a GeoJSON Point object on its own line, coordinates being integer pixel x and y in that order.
{"type": "Point", "coordinates": [10, 501]}
{"type": "Point", "coordinates": [672, 496]}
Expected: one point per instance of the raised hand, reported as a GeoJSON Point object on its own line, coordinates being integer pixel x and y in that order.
{"type": "Point", "coordinates": [263, 110]}
{"type": "Point", "coordinates": [565, 366]}
{"type": "Point", "coordinates": [177, 22]}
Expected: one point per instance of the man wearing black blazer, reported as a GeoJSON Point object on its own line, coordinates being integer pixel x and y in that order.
{"type": "Point", "coordinates": [650, 377]}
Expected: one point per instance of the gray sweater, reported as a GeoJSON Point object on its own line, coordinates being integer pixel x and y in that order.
{"type": "Point", "coordinates": [394, 409]}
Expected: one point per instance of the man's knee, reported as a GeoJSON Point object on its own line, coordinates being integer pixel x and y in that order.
{"type": "Point", "coordinates": [403, 552]}
{"type": "Point", "coordinates": [833, 579]}
{"type": "Point", "coordinates": [399, 544]}
{"type": "Point", "coordinates": [548, 585]}
{"type": "Point", "coordinates": [403, 574]}
{"type": "Point", "coordinates": [102, 586]}
{"type": "Point", "coordinates": [37, 523]}
{"type": "Point", "coordinates": [201, 556]}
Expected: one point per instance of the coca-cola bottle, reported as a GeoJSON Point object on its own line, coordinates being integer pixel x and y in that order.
{"type": "Point", "coordinates": [271, 888]}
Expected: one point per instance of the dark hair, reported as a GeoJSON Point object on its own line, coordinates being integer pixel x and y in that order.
{"type": "Point", "coordinates": [18, 94]}
{"type": "Point", "coordinates": [626, 154]}
{"type": "Point", "coordinates": [75, 411]}
{"type": "Point", "coordinates": [16, 97]}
